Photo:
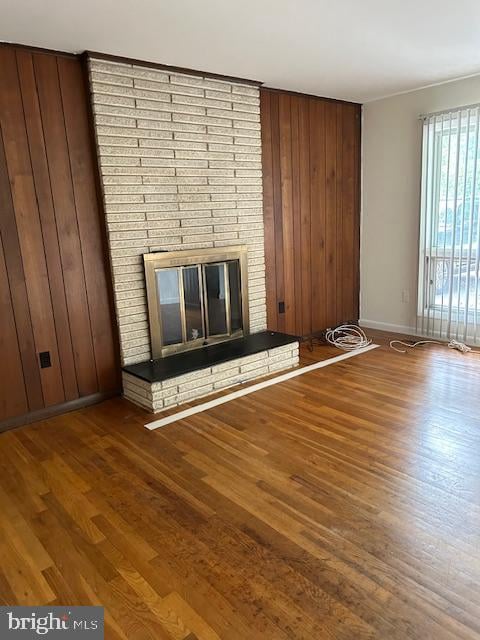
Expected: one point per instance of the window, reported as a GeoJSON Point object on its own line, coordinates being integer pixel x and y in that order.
{"type": "Point", "coordinates": [449, 269]}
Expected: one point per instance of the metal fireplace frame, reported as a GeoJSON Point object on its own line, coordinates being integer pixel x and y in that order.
{"type": "Point", "coordinates": [189, 258]}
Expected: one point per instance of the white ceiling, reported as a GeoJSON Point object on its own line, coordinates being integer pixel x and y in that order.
{"type": "Point", "coordinates": [352, 49]}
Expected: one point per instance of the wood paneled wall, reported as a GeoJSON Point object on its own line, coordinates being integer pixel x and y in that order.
{"type": "Point", "coordinates": [54, 283]}
{"type": "Point", "coordinates": [311, 182]}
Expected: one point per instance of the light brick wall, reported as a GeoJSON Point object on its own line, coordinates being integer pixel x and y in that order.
{"type": "Point", "coordinates": [159, 396]}
{"type": "Point", "coordinates": [180, 162]}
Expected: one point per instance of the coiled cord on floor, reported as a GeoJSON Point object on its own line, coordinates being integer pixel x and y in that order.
{"type": "Point", "coordinates": [453, 344]}
{"type": "Point", "coordinates": [347, 337]}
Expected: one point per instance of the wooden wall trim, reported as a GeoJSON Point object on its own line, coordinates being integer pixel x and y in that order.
{"type": "Point", "coordinates": [56, 410]}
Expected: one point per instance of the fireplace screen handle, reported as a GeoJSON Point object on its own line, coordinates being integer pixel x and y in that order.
{"type": "Point", "coordinates": [193, 314]}
{"type": "Point", "coordinates": [216, 295]}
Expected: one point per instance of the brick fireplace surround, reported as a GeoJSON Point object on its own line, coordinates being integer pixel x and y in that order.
{"type": "Point", "coordinates": [180, 165]}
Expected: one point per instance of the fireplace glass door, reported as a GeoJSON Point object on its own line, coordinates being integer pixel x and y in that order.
{"type": "Point", "coordinates": [197, 304]}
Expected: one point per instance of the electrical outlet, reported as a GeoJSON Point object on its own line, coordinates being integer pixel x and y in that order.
{"type": "Point", "coordinates": [406, 296]}
{"type": "Point", "coordinates": [45, 360]}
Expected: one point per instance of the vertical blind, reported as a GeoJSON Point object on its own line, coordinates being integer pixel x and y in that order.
{"type": "Point", "coordinates": [449, 278]}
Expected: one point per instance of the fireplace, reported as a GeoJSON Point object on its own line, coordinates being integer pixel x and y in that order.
{"type": "Point", "coordinates": [196, 298]}
{"type": "Point", "coordinates": [183, 198]}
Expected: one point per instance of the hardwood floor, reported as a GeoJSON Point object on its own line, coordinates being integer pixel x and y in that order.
{"type": "Point", "coordinates": [343, 504]}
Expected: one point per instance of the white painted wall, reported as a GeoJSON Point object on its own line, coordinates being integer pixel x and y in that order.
{"type": "Point", "coordinates": [392, 136]}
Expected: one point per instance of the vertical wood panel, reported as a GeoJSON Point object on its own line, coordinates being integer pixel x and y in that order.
{"type": "Point", "coordinates": [47, 215]}
{"type": "Point", "coordinates": [277, 208]}
{"type": "Point", "coordinates": [18, 290]}
{"type": "Point", "coordinates": [46, 73]}
{"type": "Point", "coordinates": [268, 208]}
{"type": "Point", "coordinates": [28, 225]}
{"type": "Point", "coordinates": [91, 233]}
{"type": "Point", "coordinates": [288, 245]}
{"type": "Point", "coordinates": [330, 214]}
{"type": "Point", "coordinates": [304, 257]}
{"type": "Point", "coordinates": [312, 184]}
{"type": "Point", "coordinates": [348, 217]}
{"type": "Point", "coordinates": [318, 189]}
{"type": "Point", "coordinates": [356, 211]}
{"type": "Point", "coordinates": [13, 397]}
{"type": "Point", "coordinates": [297, 185]}
{"type": "Point", "coordinates": [55, 292]}
{"type": "Point", "coordinates": [339, 213]}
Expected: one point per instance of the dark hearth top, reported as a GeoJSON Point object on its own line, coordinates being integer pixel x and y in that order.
{"type": "Point", "coordinates": [181, 363]}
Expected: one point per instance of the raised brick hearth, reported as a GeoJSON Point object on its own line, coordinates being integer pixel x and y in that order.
{"type": "Point", "coordinates": [157, 396]}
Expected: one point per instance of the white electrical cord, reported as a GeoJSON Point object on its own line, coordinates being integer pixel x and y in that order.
{"type": "Point", "coordinates": [453, 344]}
{"type": "Point", "coordinates": [347, 337]}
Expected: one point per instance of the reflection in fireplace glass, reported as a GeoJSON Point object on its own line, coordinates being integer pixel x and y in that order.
{"type": "Point", "coordinates": [169, 299]}
{"type": "Point", "coordinates": [235, 295]}
{"type": "Point", "coordinates": [193, 307]}
{"type": "Point", "coordinates": [216, 304]}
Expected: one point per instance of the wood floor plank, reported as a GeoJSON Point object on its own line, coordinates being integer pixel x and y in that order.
{"type": "Point", "coordinates": [343, 504]}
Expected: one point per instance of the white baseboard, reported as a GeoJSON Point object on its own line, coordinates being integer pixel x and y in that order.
{"type": "Point", "coordinates": [413, 331]}
{"type": "Point", "coordinates": [385, 326]}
